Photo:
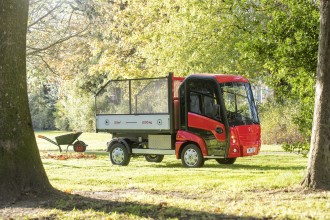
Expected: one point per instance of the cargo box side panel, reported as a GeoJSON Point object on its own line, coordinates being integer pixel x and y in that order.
{"type": "Point", "coordinates": [133, 122]}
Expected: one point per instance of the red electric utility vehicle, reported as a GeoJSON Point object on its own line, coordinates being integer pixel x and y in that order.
{"type": "Point", "coordinates": [200, 117]}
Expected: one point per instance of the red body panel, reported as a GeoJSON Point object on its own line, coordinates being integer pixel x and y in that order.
{"type": "Point", "coordinates": [208, 124]}
{"type": "Point", "coordinates": [222, 78]}
{"type": "Point", "coordinates": [245, 139]}
{"type": "Point", "coordinates": [183, 137]}
{"type": "Point", "coordinates": [176, 82]}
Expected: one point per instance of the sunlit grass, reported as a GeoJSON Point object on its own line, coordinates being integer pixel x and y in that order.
{"type": "Point", "coordinates": [260, 186]}
{"type": "Point", "coordinates": [271, 148]}
{"type": "Point", "coordinates": [263, 186]}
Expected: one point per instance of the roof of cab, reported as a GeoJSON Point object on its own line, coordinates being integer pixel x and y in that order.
{"type": "Point", "coordinates": [223, 78]}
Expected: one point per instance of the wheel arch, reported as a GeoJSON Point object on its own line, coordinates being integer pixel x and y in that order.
{"type": "Point", "coordinates": [123, 141]}
{"type": "Point", "coordinates": [182, 146]}
{"type": "Point", "coordinates": [184, 138]}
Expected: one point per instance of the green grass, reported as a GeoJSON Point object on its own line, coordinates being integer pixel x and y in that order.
{"type": "Point", "coordinates": [271, 148]}
{"type": "Point", "coordinates": [263, 186]}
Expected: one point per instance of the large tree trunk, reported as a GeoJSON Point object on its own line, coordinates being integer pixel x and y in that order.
{"type": "Point", "coordinates": [318, 170]}
{"type": "Point", "coordinates": [21, 170]}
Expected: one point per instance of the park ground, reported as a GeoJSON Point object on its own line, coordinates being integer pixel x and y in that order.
{"type": "Point", "coordinates": [266, 186]}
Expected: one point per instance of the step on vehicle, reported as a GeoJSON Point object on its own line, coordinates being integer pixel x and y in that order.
{"type": "Point", "coordinates": [200, 117]}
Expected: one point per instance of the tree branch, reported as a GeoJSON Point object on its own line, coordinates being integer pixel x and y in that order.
{"type": "Point", "coordinates": [38, 50]}
{"type": "Point", "coordinates": [45, 15]}
{"type": "Point", "coordinates": [47, 65]}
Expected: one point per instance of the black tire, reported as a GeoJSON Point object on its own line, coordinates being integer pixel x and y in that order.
{"type": "Point", "coordinates": [226, 160]}
{"type": "Point", "coordinates": [119, 155]}
{"type": "Point", "coordinates": [79, 146]}
{"type": "Point", "coordinates": [191, 156]}
{"type": "Point", "coordinates": [154, 158]}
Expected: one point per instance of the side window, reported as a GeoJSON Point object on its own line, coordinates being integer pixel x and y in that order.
{"type": "Point", "coordinates": [202, 99]}
{"type": "Point", "coordinates": [195, 102]}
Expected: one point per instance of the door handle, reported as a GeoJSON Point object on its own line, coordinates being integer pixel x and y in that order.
{"type": "Point", "coordinates": [218, 130]}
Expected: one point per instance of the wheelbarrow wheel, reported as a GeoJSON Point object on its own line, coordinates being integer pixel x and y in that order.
{"type": "Point", "coordinates": [79, 146]}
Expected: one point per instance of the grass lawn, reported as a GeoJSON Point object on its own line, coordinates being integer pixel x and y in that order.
{"type": "Point", "coordinates": [266, 186]}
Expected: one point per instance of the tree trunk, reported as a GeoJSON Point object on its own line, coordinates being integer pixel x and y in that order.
{"type": "Point", "coordinates": [21, 169]}
{"type": "Point", "coordinates": [318, 170]}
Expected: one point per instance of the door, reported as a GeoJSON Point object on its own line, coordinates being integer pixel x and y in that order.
{"type": "Point", "coordinates": [201, 113]}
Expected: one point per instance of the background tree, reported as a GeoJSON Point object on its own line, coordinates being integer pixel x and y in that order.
{"type": "Point", "coordinates": [21, 170]}
{"type": "Point", "coordinates": [318, 171]}
{"type": "Point", "coordinates": [57, 52]}
{"type": "Point", "coordinates": [285, 44]}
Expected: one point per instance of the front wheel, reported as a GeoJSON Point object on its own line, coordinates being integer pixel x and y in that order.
{"type": "Point", "coordinates": [154, 158]}
{"type": "Point", "coordinates": [226, 160]}
{"type": "Point", "coordinates": [191, 156]}
{"type": "Point", "coordinates": [119, 155]}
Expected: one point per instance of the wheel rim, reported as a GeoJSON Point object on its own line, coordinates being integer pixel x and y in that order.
{"type": "Point", "coordinates": [191, 157]}
{"type": "Point", "coordinates": [117, 155]}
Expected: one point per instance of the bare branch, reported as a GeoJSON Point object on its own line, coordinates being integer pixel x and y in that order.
{"type": "Point", "coordinates": [38, 50]}
{"type": "Point", "coordinates": [47, 65]}
{"type": "Point", "coordinates": [69, 22]}
{"type": "Point", "coordinates": [34, 2]}
{"type": "Point", "coordinates": [45, 15]}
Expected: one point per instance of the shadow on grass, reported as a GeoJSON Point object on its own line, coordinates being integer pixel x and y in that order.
{"type": "Point", "coordinates": [234, 166]}
{"type": "Point", "coordinates": [69, 202]}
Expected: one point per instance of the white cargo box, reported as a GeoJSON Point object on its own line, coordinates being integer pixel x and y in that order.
{"type": "Point", "coordinates": [135, 105]}
{"type": "Point", "coordinates": [133, 122]}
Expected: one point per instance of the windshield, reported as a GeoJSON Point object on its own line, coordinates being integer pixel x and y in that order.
{"type": "Point", "coordinates": [239, 104]}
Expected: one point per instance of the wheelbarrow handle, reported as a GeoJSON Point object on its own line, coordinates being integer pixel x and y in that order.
{"type": "Point", "coordinates": [50, 140]}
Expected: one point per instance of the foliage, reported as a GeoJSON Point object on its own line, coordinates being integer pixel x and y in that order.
{"type": "Point", "coordinates": [75, 111]}
{"type": "Point", "coordinates": [57, 53]}
{"type": "Point", "coordinates": [42, 99]}
{"type": "Point", "coordinates": [301, 148]}
{"type": "Point", "coordinates": [277, 126]}
{"type": "Point", "coordinates": [286, 46]}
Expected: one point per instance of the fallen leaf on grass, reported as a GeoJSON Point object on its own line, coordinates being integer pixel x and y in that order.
{"type": "Point", "coordinates": [69, 156]}
{"type": "Point", "coordinates": [163, 204]}
{"type": "Point", "coordinates": [68, 191]}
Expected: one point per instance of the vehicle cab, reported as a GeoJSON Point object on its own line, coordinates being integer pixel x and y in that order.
{"type": "Point", "coordinates": [220, 110]}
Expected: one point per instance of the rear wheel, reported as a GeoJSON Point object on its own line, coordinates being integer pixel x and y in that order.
{"type": "Point", "coordinates": [154, 158]}
{"type": "Point", "coordinates": [79, 146]}
{"type": "Point", "coordinates": [119, 155]}
{"type": "Point", "coordinates": [191, 156]}
{"type": "Point", "coordinates": [226, 160]}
